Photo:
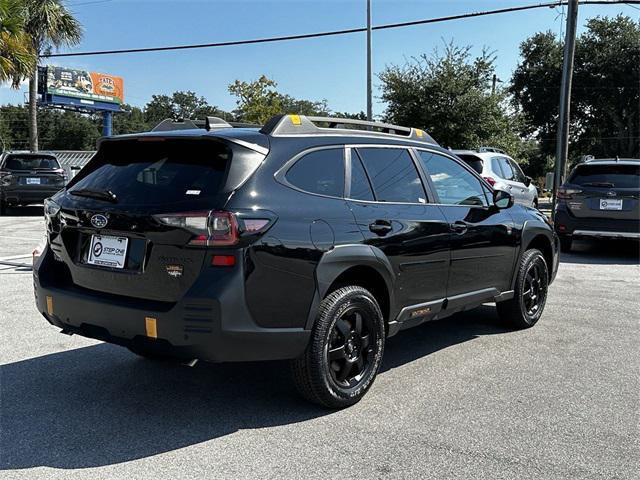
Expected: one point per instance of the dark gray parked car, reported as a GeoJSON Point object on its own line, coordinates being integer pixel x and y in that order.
{"type": "Point", "coordinates": [601, 198]}
{"type": "Point", "coordinates": [28, 177]}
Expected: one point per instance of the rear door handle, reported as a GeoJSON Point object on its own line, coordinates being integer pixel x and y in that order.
{"type": "Point", "coordinates": [459, 227]}
{"type": "Point", "coordinates": [381, 227]}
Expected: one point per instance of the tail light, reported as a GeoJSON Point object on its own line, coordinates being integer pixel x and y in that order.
{"type": "Point", "coordinates": [5, 178]}
{"type": "Point", "coordinates": [63, 173]}
{"type": "Point", "coordinates": [567, 193]}
{"type": "Point", "coordinates": [213, 228]}
{"type": "Point", "coordinates": [490, 180]}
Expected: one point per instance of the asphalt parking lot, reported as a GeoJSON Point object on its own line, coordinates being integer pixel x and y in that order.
{"type": "Point", "coordinates": [461, 398]}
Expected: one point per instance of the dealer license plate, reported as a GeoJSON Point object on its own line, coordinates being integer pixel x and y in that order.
{"type": "Point", "coordinates": [610, 204]}
{"type": "Point", "coordinates": [108, 251]}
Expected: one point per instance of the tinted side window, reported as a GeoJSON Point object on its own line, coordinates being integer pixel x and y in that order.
{"type": "Point", "coordinates": [360, 186]}
{"type": "Point", "coordinates": [473, 161]}
{"type": "Point", "coordinates": [320, 172]}
{"type": "Point", "coordinates": [393, 175]}
{"type": "Point", "coordinates": [454, 184]}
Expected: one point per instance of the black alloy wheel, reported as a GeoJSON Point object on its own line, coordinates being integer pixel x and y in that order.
{"type": "Point", "coordinates": [530, 293]}
{"type": "Point", "coordinates": [345, 350]}
{"type": "Point", "coordinates": [350, 351]}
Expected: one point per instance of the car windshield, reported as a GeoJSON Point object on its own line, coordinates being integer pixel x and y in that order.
{"type": "Point", "coordinates": [31, 162]}
{"type": "Point", "coordinates": [473, 161]}
{"type": "Point", "coordinates": [619, 176]}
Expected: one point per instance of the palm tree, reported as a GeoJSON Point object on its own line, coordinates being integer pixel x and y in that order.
{"type": "Point", "coordinates": [48, 24]}
{"type": "Point", "coordinates": [17, 59]}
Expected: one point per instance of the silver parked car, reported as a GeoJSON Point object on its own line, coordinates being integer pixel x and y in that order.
{"type": "Point", "coordinates": [502, 172]}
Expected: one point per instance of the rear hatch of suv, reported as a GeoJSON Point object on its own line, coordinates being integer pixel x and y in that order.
{"type": "Point", "coordinates": [608, 190]}
{"type": "Point", "coordinates": [138, 219]}
{"type": "Point", "coordinates": [28, 171]}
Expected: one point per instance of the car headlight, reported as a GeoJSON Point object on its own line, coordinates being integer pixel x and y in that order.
{"type": "Point", "coordinates": [51, 208]}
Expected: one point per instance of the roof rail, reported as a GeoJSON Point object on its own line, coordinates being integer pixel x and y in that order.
{"type": "Point", "coordinates": [209, 123]}
{"type": "Point", "coordinates": [492, 150]}
{"type": "Point", "coordinates": [307, 125]}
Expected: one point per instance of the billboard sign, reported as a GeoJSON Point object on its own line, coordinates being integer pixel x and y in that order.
{"type": "Point", "coordinates": [82, 84]}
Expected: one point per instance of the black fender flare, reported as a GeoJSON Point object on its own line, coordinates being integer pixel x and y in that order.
{"type": "Point", "coordinates": [530, 230]}
{"type": "Point", "coordinates": [339, 259]}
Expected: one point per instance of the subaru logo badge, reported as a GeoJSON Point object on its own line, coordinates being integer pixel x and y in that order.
{"type": "Point", "coordinates": [99, 221]}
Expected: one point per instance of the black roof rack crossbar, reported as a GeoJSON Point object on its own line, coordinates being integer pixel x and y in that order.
{"type": "Point", "coordinates": [307, 125]}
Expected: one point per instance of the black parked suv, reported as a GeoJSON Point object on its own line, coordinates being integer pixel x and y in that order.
{"type": "Point", "coordinates": [28, 177]}
{"type": "Point", "coordinates": [312, 239]}
{"type": "Point", "coordinates": [600, 199]}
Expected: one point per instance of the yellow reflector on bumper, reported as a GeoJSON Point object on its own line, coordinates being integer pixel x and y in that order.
{"type": "Point", "coordinates": [151, 327]}
{"type": "Point", "coordinates": [49, 305]}
{"type": "Point", "coordinates": [295, 119]}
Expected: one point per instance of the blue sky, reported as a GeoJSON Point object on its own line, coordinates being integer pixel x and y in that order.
{"type": "Point", "coordinates": [332, 68]}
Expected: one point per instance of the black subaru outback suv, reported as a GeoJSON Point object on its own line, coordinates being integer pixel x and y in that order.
{"type": "Point", "coordinates": [311, 239]}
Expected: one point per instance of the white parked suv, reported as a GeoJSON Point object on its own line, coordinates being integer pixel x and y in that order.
{"type": "Point", "coordinates": [502, 172]}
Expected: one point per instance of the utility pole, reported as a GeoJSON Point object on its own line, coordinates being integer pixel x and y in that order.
{"type": "Point", "coordinates": [369, 88]}
{"type": "Point", "coordinates": [494, 83]}
{"type": "Point", "coordinates": [562, 140]}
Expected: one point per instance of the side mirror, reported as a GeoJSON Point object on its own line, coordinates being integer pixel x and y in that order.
{"type": "Point", "coordinates": [502, 199]}
{"type": "Point", "coordinates": [527, 181]}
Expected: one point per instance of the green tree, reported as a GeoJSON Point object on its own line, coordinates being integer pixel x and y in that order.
{"type": "Point", "coordinates": [17, 58]}
{"type": "Point", "coordinates": [605, 101]}
{"type": "Point", "coordinates": [303, 107]}
{"type": "Point", "coordinates": [448, 94]}
{"type": "Point", "coordinates": [257, 101]}
{"type": "Point", "coordinates": [131, 120]}
{"type": "Point", "coordinates": [180, 105]}
{"type": "Point", "coordinates": [353, 116]}
{"type": "Point", "coordinates": [48, 24]}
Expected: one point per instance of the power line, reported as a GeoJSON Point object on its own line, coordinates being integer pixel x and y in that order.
{"type": "Point", "coordinates": [338, 32]}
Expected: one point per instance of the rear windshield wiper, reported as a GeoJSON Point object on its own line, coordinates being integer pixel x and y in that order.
{"type": "Point", "coordinates": [106, 195]}
{"type": "Point", "coordinates": [598, 184]}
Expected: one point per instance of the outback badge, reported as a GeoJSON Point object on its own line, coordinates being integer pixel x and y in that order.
{"type": "Point", "coordinates": [174, 271]}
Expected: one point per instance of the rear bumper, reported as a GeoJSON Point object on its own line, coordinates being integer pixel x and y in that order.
{"type": "Point", "coordinates": [601, 234]}
{"type": "Point", "coordinates": [210, 323]}
{"type": "Point", "coordinates": [568, 225]}
{"type": "Point", "coordinates": [27, 194]}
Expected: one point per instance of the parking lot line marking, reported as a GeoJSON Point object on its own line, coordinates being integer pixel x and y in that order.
{"type": "Point", "coordinates": [16, 264]}
{"type": "Point", "coordinates": [15, 257]}
{"type": "Point", "coordinates": [21, 238]}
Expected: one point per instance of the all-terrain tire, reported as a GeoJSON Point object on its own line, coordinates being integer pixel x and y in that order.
{"type": "Point", "coordinates": [316, 376]}
{"type": "Point", "coordinates": [530, 293]}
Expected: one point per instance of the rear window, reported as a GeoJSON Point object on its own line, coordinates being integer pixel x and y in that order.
{"type": "Point", "coordinates": [173, 171]}
{"type": "Point", "coordinates": [30, 162]}
{"type": "Point", "coordinates": [321, 171]}
{"type": "Point", "coordinates": [473, 161]}
{"type": "Point", "coordinates": [619, 176]}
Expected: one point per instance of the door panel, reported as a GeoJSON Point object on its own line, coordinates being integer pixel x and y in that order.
{"type": "Point", "coordinates": [482, 253]}
{"type": "Point", "coordinates": [413, 235]}
{"type": "Point", "coordinates": [416, 243]}
{"type": "Point", "coordinates": [482, 241]}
